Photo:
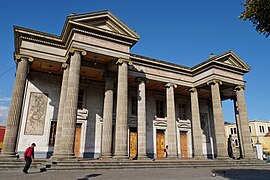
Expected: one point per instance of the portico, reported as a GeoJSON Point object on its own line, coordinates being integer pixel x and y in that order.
{"type": "Point", "coordinates": [84, 95]}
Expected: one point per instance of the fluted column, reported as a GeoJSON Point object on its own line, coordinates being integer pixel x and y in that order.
{"type": "Point", "coordinates": [71, 102]}
{"type": "Point", "coordinates": [246, 145]}
{"type": "Point", "coordinates": [121, 131]}
{"type": "Point", "coordinates": [171, 121]}
{"type": "Point", "coordinates": [63, 94]}
{"type": "Point", "coordinates": [218, 120]}
{"type": "Point", "coordinates": [196, 123]}
{"type": "Point", "coordinates": [13, 120]}
{"type": "Point", "coordinates": [141, 119]}
{"type": "Point", "coordinates": [107, 117]}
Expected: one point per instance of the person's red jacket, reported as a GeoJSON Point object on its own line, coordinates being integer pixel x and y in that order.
{"type": "Point", "coordinates": [29, 152]}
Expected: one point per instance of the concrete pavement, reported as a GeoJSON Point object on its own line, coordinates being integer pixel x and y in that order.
{"type": "Point", "coordinates": [245, 173]}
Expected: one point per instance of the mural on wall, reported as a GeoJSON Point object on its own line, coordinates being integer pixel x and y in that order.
{"type": "Point", "coordinates": [36, 114]}
{"type": "Point", "coordinates": [204, 126]}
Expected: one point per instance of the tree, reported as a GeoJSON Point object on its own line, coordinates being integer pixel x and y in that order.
{"type": "Point", "coordinates": [258, 12]}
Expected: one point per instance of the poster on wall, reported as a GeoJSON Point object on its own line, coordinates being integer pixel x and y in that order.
{"type": "Point", "coordinates": [36, 114]}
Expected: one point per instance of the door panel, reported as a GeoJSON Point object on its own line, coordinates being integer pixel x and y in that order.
{"type": "Point", "coordinates": [160, 140]}
{"type": "Point", "coordinates": [132, 144]}
{"type": "Point", "coordinates": [183, 144]}
{"type": "Point", "coordinates": [77, 140]}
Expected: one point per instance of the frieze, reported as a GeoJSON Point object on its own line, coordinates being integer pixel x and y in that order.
{"type": "Point", "coordinates": [36, 114]}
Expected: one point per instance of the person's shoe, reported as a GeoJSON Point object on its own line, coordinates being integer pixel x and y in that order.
{"type": "Point", "coordinates": [25, 172]}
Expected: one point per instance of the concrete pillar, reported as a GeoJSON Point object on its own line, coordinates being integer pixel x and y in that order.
{"type": "Point", "coordinates": [71, 102]}
{"type": "Point", "coordinates": [244, 124]}
{"type": "Point", "coordinates": [13, 120]}
{"type": "Point", "coordinates": [63, 94]}
{"type": "Point", "coordinates": [218, 120]}
{"type": "Point", "coordinates": [121, 130]}
{"type": "Point", "coordinates": [171, 121]}
{"type": "Point", "coordinates": [196, 123]}
{"type": "Point", "coordinates": [107, 117]}
{"type": "Point", "coordinates": [141, 119]}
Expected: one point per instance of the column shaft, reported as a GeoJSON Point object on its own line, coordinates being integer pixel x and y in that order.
{"type": "Point", "coordinates": [13, 120]}
{"type": "Point", "coordinates": [63, 95]}
{"type": "Point", "coordinates": [244, 124]}
{"type": "Point", "coordinates": [121, 133]}
{"type": "Point", "coordinates": [107, 118]}
{"type": "Point", "coordinates": [171, 121]}
{"type": "Point", "coordinates": [141, 120]}
{"type": "Point", "coordinates": [218, 121]}
{"type": "Point", "coordinates": [70, 109]}
{"type": "Point", "coordinates": [196, 123]}
{"type": "Point", "coordinates": [238, 126]}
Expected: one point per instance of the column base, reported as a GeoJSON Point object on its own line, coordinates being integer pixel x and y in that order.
{"type": "Point", "coordinates": [120, 157]}
{"type": "Point", "coordinates": [198, 157]}
{"type": "Point", "coordinates": [8, 155]}
{"type": "Point", "coordinates": [63, 156]}
{"type": "Point", "coordinates": [106, 156]}
{"type": "Point", "coordinates": [223, 158]}
{"type": "Point", "coordinates": [142, 157]}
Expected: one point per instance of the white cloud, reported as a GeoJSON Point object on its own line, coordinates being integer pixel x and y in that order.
{"type": "Point", "coordinates": [5, 99]}
{"type": "Point", "coordinates": [3, 114]}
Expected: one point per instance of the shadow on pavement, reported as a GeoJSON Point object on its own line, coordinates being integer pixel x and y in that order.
{"type": "Point", "coordinates": [240, 174]}
{"type": "Point", "coordinates": [89, 176]}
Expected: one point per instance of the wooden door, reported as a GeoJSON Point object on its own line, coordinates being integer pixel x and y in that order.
{"type": "Point", "coordinates": [77, 140]}
{"type": "Point", "coordinates": [132, 143]}
{"type": "Point", "coordinates": [183, 144]}
{"type": "Point", "coordinates": [160, 141]}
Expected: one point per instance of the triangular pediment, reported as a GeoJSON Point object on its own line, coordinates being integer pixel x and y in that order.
{"type": "Point", "coordinates": [104, 20]}
{"type": "Point", "coordinates": [231, 59]}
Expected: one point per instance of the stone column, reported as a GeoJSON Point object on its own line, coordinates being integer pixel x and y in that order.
{"type": "Point", "coordinates": [244, 124]}
{"type": "Point", "coordinates": [196, 123]}
{"type": "Point", "coordinates": [171, 121]}
{"type": "Point", "coordinates": [239, 135]}
{"type": "Point", "coordinates": [63, 94]}
{"type": "Point", "coordinates": [107, 117]}
{"type": "Point", "coordinates": [141, 119]}
{"type": "Point", "coordinates": [218, 120]}
{"type": "Point", "coordinates": [71, 102]}
{"type": "Point", "coordinates": [13, 120]}
{"type": "Point", "coordinates": [121, 131]}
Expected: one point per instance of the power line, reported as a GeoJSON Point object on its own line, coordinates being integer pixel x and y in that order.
{"type": "Point", "coordinates": [7, 71]}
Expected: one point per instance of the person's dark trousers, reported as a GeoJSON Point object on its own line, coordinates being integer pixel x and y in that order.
{"type": "Point", "coordinates": [28, 161]}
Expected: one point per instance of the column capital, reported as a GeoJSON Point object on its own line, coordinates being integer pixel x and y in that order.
{"type": "Point", "coordinates": [192, 90]}
{"type": "Point", "coordinates": [170, 84]}
{"type": "Point", "coordinates": [64, 66]}
{"type": "Point", "coordinates": [142, 79]}
{"type": "Point", "coordinates": [240, 87]}
{"type": "Point", "coordinates": [122, 60]}
{"type": "Point", "coordinates": [19, 56]}
{"type": "Point", "coordinates": [213, 82]}
{"type": "Point", "coordinates": [81, 51]}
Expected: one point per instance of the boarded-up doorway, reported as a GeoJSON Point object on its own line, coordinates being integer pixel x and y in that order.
{"type": "Point", "coordinates": [183, 144]}
{"type": "Point", "coordinates": [77, 140]}
{"type": "Point", "coordinates": [160, 140]}
{"type": "Point", "coordinates": [132, 142]}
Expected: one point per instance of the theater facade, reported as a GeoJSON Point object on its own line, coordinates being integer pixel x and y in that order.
{"type": "Point", "coordinates": [84, 95]}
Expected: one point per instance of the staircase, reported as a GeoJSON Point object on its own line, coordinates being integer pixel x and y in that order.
{"type": "Point", "coordinates": [81, 164]}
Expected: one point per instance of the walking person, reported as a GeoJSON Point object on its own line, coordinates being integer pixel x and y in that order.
{"type": "Point", "coordinates": [28, 156]}
{"type": "Point", "coordinates": [166, 150]}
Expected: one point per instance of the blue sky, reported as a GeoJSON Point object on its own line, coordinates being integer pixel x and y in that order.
{"type": "Point", "coordinates": [177, 31]}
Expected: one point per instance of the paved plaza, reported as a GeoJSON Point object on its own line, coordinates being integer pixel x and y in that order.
{"type": "Point", "coordinates": [141, 174]}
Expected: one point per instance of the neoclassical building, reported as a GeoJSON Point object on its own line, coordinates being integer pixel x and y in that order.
{"type": "Point", "coordinates": [83, 94]}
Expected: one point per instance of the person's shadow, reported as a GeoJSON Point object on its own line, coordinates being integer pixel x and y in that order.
{"type": "Point", "coordinates": [89, 176]}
